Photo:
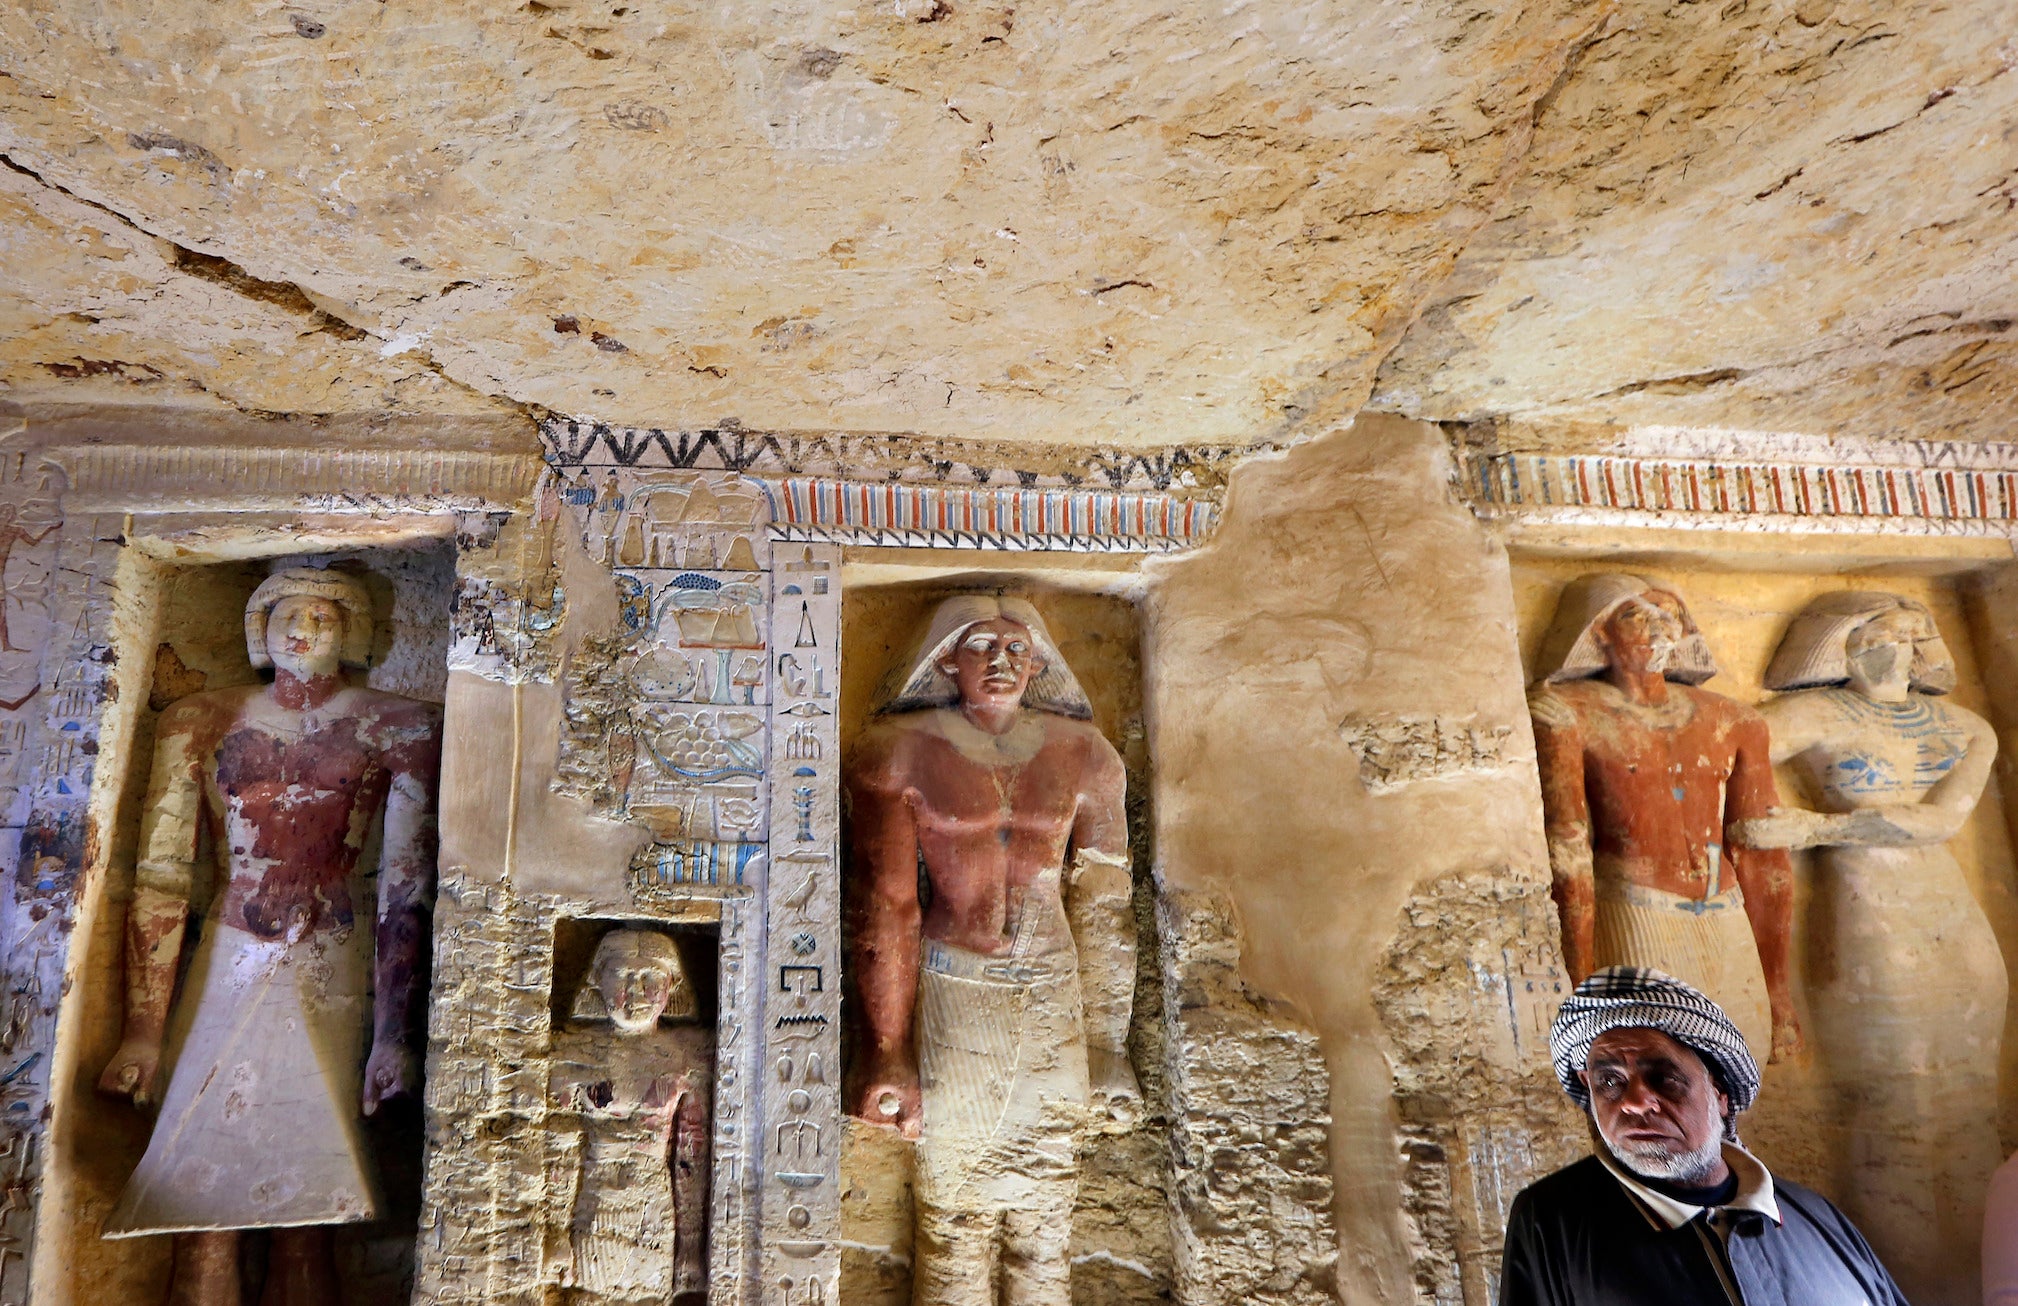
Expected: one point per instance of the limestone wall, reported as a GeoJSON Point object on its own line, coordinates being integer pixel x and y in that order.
{"type": "Point", "coordinates": [1348, 952]}
{"type": "Point", "coordinates": [1401, 907]}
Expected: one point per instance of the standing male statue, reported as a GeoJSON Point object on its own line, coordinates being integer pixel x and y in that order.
{"type": "Point", "coordinates": [993, 947]}
{"type": "Point", "coordinates": [296, 971]}
{"type": "Point", "coordinates": [1644, 781]}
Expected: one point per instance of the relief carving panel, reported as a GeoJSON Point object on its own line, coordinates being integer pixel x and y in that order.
{"type": "Point", "coordinates": [705, 716]}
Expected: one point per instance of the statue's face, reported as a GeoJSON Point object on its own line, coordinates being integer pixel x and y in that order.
{"type": "Point", "coordinates": [636, 990]}
{"type": "Point", "coordinates": [992, 663]}
{"type": "Point", "coordinates": [1646, 632]}
{"type": "Point", "coordinates": [1880, 652]}
{"type": "Point", "coordinates": [304, 635]}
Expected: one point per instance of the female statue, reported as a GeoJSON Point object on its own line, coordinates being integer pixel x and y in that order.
{"type": "Point", "coordinates": [1907, 983]}
{"type": "Point", "coordinates": [635, 1176]}
{"type": "Point", "coordinates": [265, 1056]}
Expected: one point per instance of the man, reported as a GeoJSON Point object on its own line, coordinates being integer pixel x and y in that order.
{"type": "Point", "coordinates": [1671, 1211]}
{"type": "Point", "coordinates": [993, 999]}
{"type": "Point", "coordinates": [1643, 776]}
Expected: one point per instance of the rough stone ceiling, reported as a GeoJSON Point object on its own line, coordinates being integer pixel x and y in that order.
{"type": "Point", "coordinates": [1129, 223]}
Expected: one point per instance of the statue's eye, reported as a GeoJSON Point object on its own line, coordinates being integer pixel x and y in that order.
{"type": "Point", "coordinates": [1018, 646]}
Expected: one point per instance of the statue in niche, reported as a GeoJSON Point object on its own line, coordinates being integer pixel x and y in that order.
{"type": "Point", "coordinates": [1645, 778]}
{"type": "Point", "coordinates": [993, 947]}
{"type": "Point", "coordinates": [1907, 984]}
{"type": "Point", "coordinates": [634, 1178]}
{"type": "Point", "coordinates": [295, 1019]}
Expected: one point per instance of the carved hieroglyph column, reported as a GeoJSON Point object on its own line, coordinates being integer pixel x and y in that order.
{"type": "Point", "coordinates": [799, 1201]}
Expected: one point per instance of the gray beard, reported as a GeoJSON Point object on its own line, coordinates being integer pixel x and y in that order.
{"type": "Point", "coordinates": [1665, 1162]}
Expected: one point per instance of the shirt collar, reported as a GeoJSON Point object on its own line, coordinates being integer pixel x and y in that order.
{"type": "Point", "coordinates": [1755, 1188]}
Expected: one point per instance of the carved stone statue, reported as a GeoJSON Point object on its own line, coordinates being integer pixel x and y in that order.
{"type": "Point", "coordinates": [295, 1017]}
{"type": "Point", "coordinates": [1906, 982]}
{"type": "Point", "coordinates": [634, 1177]}
{"type": "Point", "coordinates": [1644, 777]}
{"type": "Point", "coordinates": [994, 997]}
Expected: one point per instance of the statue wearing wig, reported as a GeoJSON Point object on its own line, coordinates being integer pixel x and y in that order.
{"type": "Point", "coordinates": [1644, 780]}
{"type": "Point", "coordinates": [1907, 984]}
{"type": "Point", "coordinates": [632, 1179]}
{"type": "Point", "coordinates": [296, 1015]}
{"type": "Point", "coordinates": [993, 947]}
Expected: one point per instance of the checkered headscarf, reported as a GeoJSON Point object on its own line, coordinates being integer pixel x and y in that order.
{"type": "Point", "coordinates": [1626, 997]}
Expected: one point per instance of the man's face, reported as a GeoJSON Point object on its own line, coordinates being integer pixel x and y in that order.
{"type": "Point", "coordinates": [1881, 650]}
{"type": "Point", "coordinates": [992, 663]}
{"type": "Point", "coordinates": [1645, 632]}
{"type": "Point", "coordinates": [1656, 1105]}
{"type": "Point", "coordinates": [304, 635]}
{"type": "Point", "coordinates": [636, 992]}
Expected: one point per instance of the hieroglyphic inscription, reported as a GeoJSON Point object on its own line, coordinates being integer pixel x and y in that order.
{"type": "Point", "coordinates": [732, 1251]}
{"type": "Point", "coordinates": [665, 715]}
{"type": "Point", "coordinates": [799, 1221]}
{"type": "Point", "coordinates": [57, 613]}
{"type": "Point", "coordinates": [707, 717]}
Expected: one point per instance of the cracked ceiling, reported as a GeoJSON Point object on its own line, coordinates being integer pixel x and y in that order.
{"type": "Point", "coordinates": [1133, 224]}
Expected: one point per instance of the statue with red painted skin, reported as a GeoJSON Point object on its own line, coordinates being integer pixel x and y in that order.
{"type": "Point", "coordinates": [1647, 783]}
{"type": "Point", "coordinates": [295, 1017]}
{"type": "Point", "coordinates": [994, 997]}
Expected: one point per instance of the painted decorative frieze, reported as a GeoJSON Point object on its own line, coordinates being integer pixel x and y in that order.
{"type": "Point", "coordinates": [871, 459]}
{"type": "Point", "coordinates": [876, 491]}
{"type": "Point", "coordinates": [1745, 481]}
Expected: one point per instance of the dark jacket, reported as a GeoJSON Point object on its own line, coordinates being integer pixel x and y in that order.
{"type": "Point", "coordinates": [1580, 1238]}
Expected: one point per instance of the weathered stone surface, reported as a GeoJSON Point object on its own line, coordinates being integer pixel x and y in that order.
{"type": "Point", "coordinates": [1137, 224]}
{"type": "Point", "coordinates": [1403, 750]}
{"type": "Point", "coordinates": [1772, 216]}
{"type": "Point", "coordinates": [1345, 585]}
{"type": "Point", "coordinates": [100, 310]}
{"type": "Point", "coordinates": [1469, 983]}
{"type": "Point", "coordinates": [1034, 223]}
{"type": "Point", "coordinates": [1250, 1118]}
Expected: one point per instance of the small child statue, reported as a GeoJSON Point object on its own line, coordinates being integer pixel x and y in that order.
{"type": "Point", "coordinates": [634, 1175]}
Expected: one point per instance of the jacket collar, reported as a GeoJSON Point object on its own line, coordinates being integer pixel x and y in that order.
{"type": "Point", "coordinates": [1755, 1189]}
